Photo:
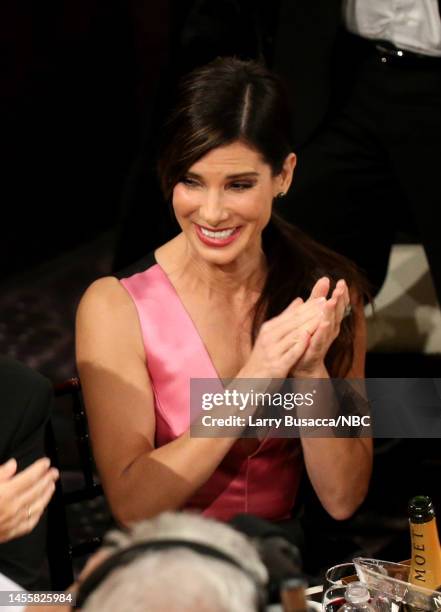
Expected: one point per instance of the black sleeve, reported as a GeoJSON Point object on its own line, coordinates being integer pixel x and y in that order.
{"type": "Point", "coordinates": [25, 407]}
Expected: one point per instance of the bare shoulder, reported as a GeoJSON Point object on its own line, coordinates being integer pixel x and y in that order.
{"type": "Point", "coordinates": [106, 299]}
{"type": "Point", "coordinates": [107, 314]}
{"type": "Point", "coordinates": [104, 293]}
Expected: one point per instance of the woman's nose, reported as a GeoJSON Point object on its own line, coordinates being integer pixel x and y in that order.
{"type": "Point", "coordinates": [212, 210]}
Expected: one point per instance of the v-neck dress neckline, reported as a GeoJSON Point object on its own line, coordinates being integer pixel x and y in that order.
{"type": "Point", "coordinates": [185, 314]}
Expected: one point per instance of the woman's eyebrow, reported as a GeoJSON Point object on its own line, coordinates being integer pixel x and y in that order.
{"type": "Point", "coordinates": [238, 175]}
{"type": "Point", "coordinates": [242, 175]}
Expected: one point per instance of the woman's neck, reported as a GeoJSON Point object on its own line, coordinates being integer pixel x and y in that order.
{"type": "Point", "coordinates": [238, 280]}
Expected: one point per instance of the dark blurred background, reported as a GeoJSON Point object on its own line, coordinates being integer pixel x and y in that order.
{"type": "Point", "coordinates": [84, 87]}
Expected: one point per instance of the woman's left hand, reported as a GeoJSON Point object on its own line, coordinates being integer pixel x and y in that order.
{"type": "Point", "coordinates": [311, 363]}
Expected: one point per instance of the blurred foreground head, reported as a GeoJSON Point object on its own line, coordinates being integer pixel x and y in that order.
{"type": "Point", "coordinates": [176, 563]}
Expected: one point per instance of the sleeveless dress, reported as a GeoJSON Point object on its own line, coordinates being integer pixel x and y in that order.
{"type": "Point", "coordinates": [263, 483]}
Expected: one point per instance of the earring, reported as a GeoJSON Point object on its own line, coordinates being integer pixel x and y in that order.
{"type": "Point", "coordinates": [282, 194]}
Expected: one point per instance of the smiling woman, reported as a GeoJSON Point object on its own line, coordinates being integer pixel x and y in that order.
{"type": "Point", "coordinates": [237, 293]}
{"type": "Point", "coordinates": [226, 197]}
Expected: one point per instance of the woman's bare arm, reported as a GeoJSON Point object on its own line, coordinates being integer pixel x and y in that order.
{"type": "Point", "coordinates": [340, 468]}
{"type": "Point", "coordinates": [139, 479]}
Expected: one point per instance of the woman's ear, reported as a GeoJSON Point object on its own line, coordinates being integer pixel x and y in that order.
{"type": "Point", "coordinates": [285, 176]}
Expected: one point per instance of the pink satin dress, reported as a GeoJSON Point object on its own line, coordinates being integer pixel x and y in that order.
{"type": "Point", "coordinates": [263, 483]}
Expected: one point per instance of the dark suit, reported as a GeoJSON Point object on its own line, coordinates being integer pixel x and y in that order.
{"type": "Point", "coordinates": [367, 136]}
{"type": "Point", "coordinates": [25, 403]}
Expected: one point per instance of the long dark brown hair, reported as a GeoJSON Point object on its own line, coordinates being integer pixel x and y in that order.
{"type": "Point", "coordinates": [232, 100]}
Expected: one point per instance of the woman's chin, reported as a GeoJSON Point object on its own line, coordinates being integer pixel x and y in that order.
{"type": "Point", "coordinates": [218, 256]}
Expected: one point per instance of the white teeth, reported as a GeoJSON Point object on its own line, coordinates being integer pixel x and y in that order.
{"type": "Point", "coordinates": [220, 235]}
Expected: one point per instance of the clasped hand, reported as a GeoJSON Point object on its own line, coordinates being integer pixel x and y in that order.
{"type": "Point", "coordinates": [295, 342]}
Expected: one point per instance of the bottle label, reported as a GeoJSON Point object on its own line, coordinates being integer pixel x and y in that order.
{"type": "Point", "coordinates": [426, 558]}
{"type": "Point", "coordinates": [419, 560]}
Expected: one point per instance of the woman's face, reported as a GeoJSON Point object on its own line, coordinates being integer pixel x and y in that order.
{"type": "Point", "coordinates": [224, 201]}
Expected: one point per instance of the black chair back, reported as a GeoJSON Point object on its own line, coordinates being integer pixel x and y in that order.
{"type": "Point", "coordinates": [61, 550]}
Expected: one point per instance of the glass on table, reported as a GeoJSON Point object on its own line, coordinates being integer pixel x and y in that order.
{"type": "Point", "coordinates": [341, 574]}
{"type": "Point", "coordinates": [351, 597]}
{"type": "Point", "coordinates": [333, 598]}
{"type": "Point", "coordinates": [335, 583]}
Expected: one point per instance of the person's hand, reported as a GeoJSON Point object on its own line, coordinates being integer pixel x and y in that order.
{"type": "Point", "coordinates": [24, 496]}
{"type": "Point", "coordinates": [282, 340]}
{"type": "Point", "coordinates": [312, 361]}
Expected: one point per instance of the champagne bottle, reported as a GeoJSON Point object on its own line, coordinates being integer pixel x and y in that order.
{"type": "Point", "coordinates": [425, 567]}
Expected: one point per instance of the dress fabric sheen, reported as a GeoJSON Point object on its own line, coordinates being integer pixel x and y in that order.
{"type": "Point", "coordinates": [263, 483]}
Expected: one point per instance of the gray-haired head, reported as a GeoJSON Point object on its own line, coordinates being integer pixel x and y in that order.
{"type": "Point", "coordinates": [180, 579]}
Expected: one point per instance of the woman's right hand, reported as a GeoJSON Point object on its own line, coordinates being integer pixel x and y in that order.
{"type": "Point", "coordinates": [282, 340]}
{"type": "Point", "coordinates": [24, 496]}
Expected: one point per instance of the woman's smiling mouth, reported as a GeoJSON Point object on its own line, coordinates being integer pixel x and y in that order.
{"type": "Point", "coordinates": [217, 238]}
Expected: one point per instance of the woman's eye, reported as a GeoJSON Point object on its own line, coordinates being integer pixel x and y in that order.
{"type": "Point", "coordinates": [189, 182]}
{"type": "Point", "coordinates": [241, 186]}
